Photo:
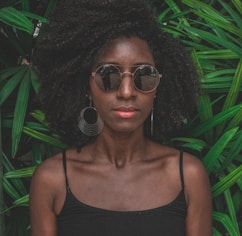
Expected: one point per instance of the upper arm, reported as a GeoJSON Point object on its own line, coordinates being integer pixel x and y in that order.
{"type": "Point", "coordinates": [42, 196]}
{"type": "Point", "coordinates": [199, 200]}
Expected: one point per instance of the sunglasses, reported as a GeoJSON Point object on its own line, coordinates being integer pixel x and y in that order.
{"type": "Point", "coordinates": [108, 77]}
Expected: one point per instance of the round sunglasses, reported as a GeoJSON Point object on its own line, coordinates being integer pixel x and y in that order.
{"type": "Point", "coordinates": [108, 77]}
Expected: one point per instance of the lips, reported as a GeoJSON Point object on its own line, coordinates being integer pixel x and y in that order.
{"type": "Point", "coordinates": [125, 112]}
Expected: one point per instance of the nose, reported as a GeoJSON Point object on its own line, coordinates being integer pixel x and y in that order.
{"type": "Point", "coordinates": [127, 89]}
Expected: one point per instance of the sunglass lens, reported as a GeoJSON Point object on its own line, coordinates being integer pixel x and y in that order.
{"type": "Point", "coordinates": [108, 78]}
{"type": "Point", "coordinates": [146, 78]}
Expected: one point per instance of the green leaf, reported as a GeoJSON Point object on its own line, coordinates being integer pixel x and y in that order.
{"type": "Point", "coordinates": [23, 201]}
{"type": "Point", "coordinates": [5, 74]}
{"type": "Point", "coordinates": [234, 150]}
{"type": "Point", "coordinates": [213, 121]}
{"type": "Point", "coordinates": [34, 16]}
{"type": "Point", "coordinates": [195, 144]}
{"type": "Point", "coordinates": [16, 184]}
{"type": "Point", "coordinates": [34, 80]}
{"type": "Point", "coordinates": [44, 138]}
{"type": "Point", "coordinates": [12, 83]}
{"type": "Point", "coordinates": [236, 17]}
{"type": "Point", "coordinates": [20, 112]}
{"type": "Point", "coordinates": [16, 19]}
{"type": "Point", "coordinates": [214, 153]}
{"type": "Point", "coordinates": [236, 121]}
{"type": "Point", "coordinates": [238, 5]}
{"type": "Point", "coordinates": [217, 54]}
{"type": "Point", "coordinates": [10, 190]}
{"type": "Point", "coordinates": [227, 181]}
{"type": "Point", "coordinates": [233, 93]}
{"type": "Point", "coordinates": [226, 222]}
{"type": "Point", "coordinates": [216, 232]}
{"type": "Point", "coordinates": [212, 38]}
{"type": "Point", "coordinates": [235, 87]}
{"type": "Point", "coordinates": [20, 173]}
{"type": "Point", "coordinates": [231, 209]}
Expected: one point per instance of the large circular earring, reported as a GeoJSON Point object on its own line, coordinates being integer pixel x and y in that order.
{"type": "Point", "coordinates": [90, 123]}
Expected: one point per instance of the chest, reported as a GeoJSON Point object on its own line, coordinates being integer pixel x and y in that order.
{"type": "Point", "coordinates": [125, 190]}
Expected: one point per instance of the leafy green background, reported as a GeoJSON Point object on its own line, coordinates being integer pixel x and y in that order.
{"type": "Point", "coordinates": [211, 31]}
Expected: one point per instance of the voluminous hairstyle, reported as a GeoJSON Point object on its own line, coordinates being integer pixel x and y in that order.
{"type": "Point", "coordinates": [69, 44]}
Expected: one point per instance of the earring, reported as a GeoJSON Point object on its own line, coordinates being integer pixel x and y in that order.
{"type": "Point", "coordinates": [152, 122]}
{"type": "Point", "coordinates": [89, 122]}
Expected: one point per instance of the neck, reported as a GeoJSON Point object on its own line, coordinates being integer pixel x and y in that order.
{"type": "Point", "coordinates": [120, 149]}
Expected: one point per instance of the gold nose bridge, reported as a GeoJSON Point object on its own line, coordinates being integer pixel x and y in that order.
{"type": "Point", "coordinates": [127, 73]}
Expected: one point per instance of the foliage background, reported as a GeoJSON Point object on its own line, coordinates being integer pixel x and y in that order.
{"type": "Point", "coordinates": [211, 31]}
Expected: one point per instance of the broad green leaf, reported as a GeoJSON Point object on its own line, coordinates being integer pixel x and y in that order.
{"type": "Point", "coordinates": [231, 209]}
{"type": "Point", "coordinates": [34, 16]}
{"type": "Point", "coordinates": [216, 232]}
{"type": "Point", "coordinates": [235, 87]}
{"type": "Point", "coordinates": [214, 153]}
{"type": "Point", "coordinates": [217, 74]}
{"type": "Point", "coordinates": [226, 222]}
{"type": "Point", "coordinates": [44, 138]}
{"type": "Point", "coordinates": [209, 10]}
{"type": "Point", "coordinates": [217, 54]}
{"type": "Point", "coordinates": [16, 19]}
{"type": "Point", "coordinates": [236, 121]}
{"type": "Point", "coordinates": [40, 116]}
{"type": "Point", "coordinates": [34, 80]}
{"type": "Point", "coordinates": [10, 190]}
{"type": "Point", "coordinates": [11, 84]}
{"type": "Point", "coordinates": [236, 17]}
{"type": "Point", "coordinates": [36, 152]}
{"type": "Point", "coordinates": [20, 112]}
{"type": "Point", "coordinates": [233, 93]}
{"type": "Point", "coordinates": [37, 126]}
{"type": "Point", "coordinates": [227, 181]}
{"type": "Point", "coordinates": [23, 201]}
{"type": "Point", "coordinates": [238, 5]}
{"type": "Point", "coordinates": [212, 38]}
{"type": "Point", "coordinates": [20, 173]}
{"type": "Point", "coordinates": [195, 144]}
{"type": "Point", "coordinates": [215, 120]}
{"type": "Point", "coordinates": [234, 149]}
{"type": "Point", "coordinates": [16, 183]}
{"type": "Point", "coordinates": [220, 23]}
{"type": "Point", "coordinates": [5, 74]}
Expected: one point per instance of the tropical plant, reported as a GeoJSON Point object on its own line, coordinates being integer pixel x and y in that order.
{"type": "Point", "coordinates": [211, 31]}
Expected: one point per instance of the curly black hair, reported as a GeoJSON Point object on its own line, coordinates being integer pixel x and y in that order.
{"type": "Point", "coordinates": [67, 48]}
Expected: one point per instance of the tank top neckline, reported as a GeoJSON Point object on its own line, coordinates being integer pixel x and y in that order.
{"type": "Point", "coordinates": [103, 210]}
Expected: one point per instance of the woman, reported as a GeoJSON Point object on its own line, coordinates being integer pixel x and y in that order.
{"type": "Point", "coordinates": [116, 87]}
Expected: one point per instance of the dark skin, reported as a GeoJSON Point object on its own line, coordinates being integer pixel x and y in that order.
{"type": "Point", "coordinates": [121, 168]}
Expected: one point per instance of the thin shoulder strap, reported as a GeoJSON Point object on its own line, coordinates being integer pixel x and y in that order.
{"type": "Point", "coordinates": [65, 168]}
{"type": "Point", "coordinates": [181, 169]}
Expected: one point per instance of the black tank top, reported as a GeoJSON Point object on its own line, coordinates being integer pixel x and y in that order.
{"type": "Point", "coordinates": [79, 219]}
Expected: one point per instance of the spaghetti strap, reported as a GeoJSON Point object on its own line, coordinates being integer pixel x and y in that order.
{"type": "Point", "coordinates": [181, 169]}
{"type": "Point", "coordinates": [65, 168]}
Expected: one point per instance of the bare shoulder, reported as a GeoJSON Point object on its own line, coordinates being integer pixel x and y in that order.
{"type": "Point", "coordinates": [48, 175]}
{"type": "Point", "coordinates": [196, 179]}
{"type": "Point", "coordinates": [194, 169]}
{"type": "Point", "coordinates": [49, 168]}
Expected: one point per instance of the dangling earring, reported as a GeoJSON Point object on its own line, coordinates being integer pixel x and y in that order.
{"type": "Point", "coordinates": [90, 123]}
{"type": "Point", "coordinates": [152, 122]}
